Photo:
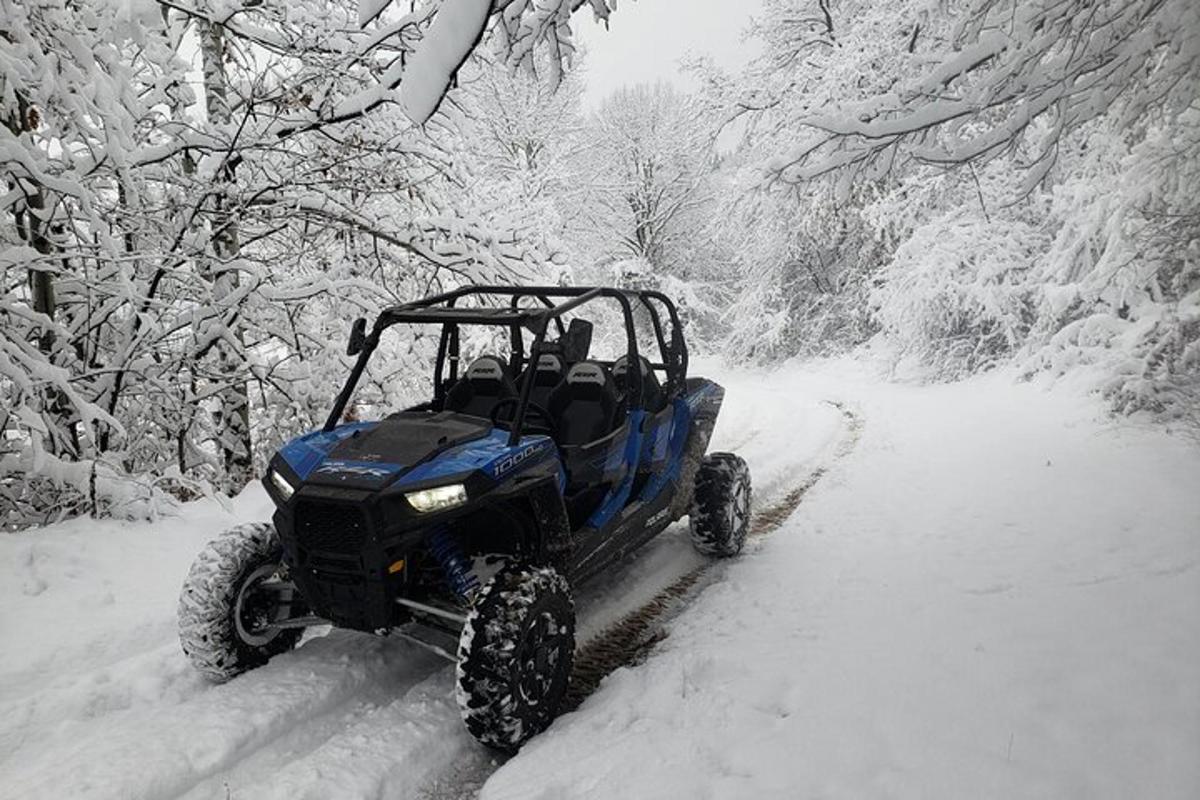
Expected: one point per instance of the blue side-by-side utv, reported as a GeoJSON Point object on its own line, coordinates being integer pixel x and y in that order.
{"type": "Point", "coordinates": [468, 518]}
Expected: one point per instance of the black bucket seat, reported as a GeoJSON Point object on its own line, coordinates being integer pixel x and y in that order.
{"type": "Point", "coordinates": [584, 405]}
{"type": "Point", "coordinates": [546, 375]}
{"type": "Point", "coordinates": [654, 399]}
{"type": "Point", "coordinates": [485, 383]}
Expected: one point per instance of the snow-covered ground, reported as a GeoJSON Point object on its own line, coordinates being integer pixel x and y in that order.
{"type": "Point", "coordinates": [995, 594]}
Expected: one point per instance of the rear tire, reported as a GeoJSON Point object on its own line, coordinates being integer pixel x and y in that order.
{"type": "Point", "coordinates": [515, 656]}
{"type": "Point", "coordinates": [221, 616]}
{"type": "Point", "coordinates": [720, 513]}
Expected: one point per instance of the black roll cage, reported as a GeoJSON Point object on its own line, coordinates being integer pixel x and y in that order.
{"type": "Point", "coordinates": [441, 309]}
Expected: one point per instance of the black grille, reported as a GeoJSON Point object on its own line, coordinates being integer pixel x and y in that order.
{"type": "Point", "coordinates": [330, 527]}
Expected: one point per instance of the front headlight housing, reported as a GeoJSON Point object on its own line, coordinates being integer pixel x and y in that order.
{"type": "Point", "coordinates": [438, 498]}
{"type": "Point", "coordinates": [285, 489]}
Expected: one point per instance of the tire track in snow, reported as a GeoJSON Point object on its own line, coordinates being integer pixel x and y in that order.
{"type": "Point", "coordinates": [769, 519]}
{"type": "Point", "coordinates": [377, 749]}
{"type": "Point", "coordinates": [264, 770]}
{"type": "Point", "coordinates": [168, 751]}
{"type": "Point", "coordinates": [628, 640]}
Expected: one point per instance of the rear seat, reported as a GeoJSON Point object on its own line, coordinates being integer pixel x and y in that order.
{"type": "Point", "coordinates": [654, 399]}
{"type": "Point", "coordinates": [547, 374]}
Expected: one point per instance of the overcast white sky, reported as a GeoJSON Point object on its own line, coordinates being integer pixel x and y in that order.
{"type": "Point", "coordinates": [646, 39]}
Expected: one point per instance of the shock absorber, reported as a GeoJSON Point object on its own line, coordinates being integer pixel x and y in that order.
{"type": "Point", "coordinates": [455, 565]}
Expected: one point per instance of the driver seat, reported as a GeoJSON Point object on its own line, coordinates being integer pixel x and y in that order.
{"type": "Point", "coordinates": [485, 383]}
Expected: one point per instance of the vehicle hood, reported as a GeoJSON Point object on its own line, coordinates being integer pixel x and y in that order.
{"type": "Point", "coordinates": [408, 448]}
{"type": "Point", "coordinates": [371, 455]}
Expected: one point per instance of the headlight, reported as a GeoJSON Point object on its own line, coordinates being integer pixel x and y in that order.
{"type": "Point", "coordinates": [438, 498]}
{"type": "Point", "coordinates": [286, 490]}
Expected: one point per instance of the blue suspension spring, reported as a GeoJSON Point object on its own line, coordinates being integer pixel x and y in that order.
{"type": "Point", "coordinates": [452, 561]}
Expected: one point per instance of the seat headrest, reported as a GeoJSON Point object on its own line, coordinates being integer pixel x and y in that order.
{"type": "Point", "coordinates": [486, 368]}
{"type": "Point", "coordinates": [549, 362]}
{"type": "Point", "coordinates": [621, 365]}
{"type": "Point", "coordinates": [587, 373]}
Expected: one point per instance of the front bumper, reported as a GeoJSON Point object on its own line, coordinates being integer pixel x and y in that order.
{"type": "Point", "coordinates": [338, 550]}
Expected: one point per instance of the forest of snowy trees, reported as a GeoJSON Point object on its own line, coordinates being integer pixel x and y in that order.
{"type": "Point", "coordinates": [201, 194]}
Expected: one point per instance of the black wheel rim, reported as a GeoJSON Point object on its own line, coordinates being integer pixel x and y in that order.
{"type": "Point", "coordinates": [739, 509]}
{"type": "Point", "coordinates": [255, 609]}
{"type": "Point", "coordinates": [539, 657]}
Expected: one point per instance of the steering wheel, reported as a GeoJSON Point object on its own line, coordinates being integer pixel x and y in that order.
{"type": "Point", "coordinates": [543, 421]}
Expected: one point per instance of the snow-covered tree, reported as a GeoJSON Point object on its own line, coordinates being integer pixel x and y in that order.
{"type": "Point", "coordinates": [648, 163]}
{"type": "Point", "coordinates": [177, 263]}
{"type": "Point", "coordinates": [982, 181]}
{"type": "Point", "coordinates": [1008, 70]}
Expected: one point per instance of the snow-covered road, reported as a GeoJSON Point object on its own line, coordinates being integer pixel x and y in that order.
{"type": "Point", "coordinates": [97, 701]}
{"type": "Point", "coordinates": [995, 595]}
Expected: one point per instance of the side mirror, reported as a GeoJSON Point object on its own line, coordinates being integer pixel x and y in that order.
{"type": "Point", "coordinates": [358, 337]}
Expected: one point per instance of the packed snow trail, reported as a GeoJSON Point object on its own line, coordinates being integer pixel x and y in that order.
{"type": "Point", "coordinates": [995, 595]}
{"type": "Point", "coordinates": [96, 699]}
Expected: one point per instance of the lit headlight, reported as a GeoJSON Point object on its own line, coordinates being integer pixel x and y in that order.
{"type": "Point", "coordinates": [286, 490]}
{"type": "Point", "coordinates": [438, 498]}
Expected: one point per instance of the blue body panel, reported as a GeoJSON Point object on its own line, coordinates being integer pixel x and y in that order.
{"type": "Point", "coordinates": [491, 455]}
{"type": "Point", "coordinates": [661, 449]}
{"type": "Point", "coordinates": [670, 442]}
{"type": "Point", "coordinates": [304, 453]}
{"type": "Point", "coordinates": [308, 455]}
{"type": "Point", "coordinates": [626, 458]}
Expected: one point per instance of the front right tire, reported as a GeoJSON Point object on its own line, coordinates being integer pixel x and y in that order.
{"type": "Point", "coordinates": [515, 655]}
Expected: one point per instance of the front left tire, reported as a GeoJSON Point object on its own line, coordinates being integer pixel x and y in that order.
{"type": "Point", "coordinates": [225, 613]}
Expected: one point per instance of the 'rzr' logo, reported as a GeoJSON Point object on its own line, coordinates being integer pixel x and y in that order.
{"type": "Point", "coordinates": [510, 461]}
{"type": "Point", "coordinates": [343, 469]}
